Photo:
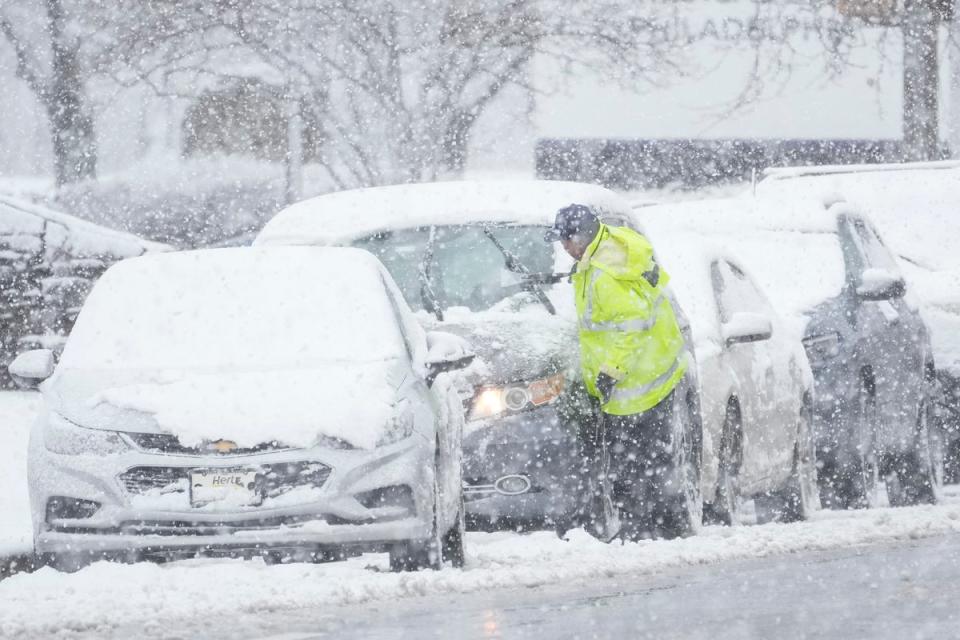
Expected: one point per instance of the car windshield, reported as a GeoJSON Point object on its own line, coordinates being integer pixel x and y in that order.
{"type": "Point", "coordinates": [465, 267]}
{"type": "Point", "coordinates": [210, 310]}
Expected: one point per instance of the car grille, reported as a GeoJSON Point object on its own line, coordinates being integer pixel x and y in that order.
{"type": "Point", "coordinates": [276, 479]}
{"type": "Point", "coordinates": [166, 443]}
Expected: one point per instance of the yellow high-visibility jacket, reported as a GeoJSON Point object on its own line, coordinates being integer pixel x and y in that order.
{"type": "Point", "coordinates": [628, 328]}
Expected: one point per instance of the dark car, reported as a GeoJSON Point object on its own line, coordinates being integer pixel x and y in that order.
{"type": "Point", "coordinates": [914, 206]}
{"type": "Point", "coordinates": [470, 257]}
{"type": "Point", "coordinates": [840, 289]}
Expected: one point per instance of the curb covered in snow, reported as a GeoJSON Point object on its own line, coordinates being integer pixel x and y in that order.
{"type": "Point", "coordinates": [47, 601]}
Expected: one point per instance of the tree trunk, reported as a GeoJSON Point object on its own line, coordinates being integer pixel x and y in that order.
{"type": "Point", "coordinates": [293, 159]}
{"type": "Point", "coordinates": [921, 81]}
{"type": "Point", "coordinates": [71, 124]}
{"type": "Point", "coordinates": [455, 141]}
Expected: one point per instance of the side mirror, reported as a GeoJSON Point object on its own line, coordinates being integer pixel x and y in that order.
{"type": "Point", "coordinates": [30, 368]}
{"type": "Point", "coordinates": [880, 284]}
{"type": "Point", "coordinates": [446, 352]}
{"type": "Point", "coordinates": [746, 327]}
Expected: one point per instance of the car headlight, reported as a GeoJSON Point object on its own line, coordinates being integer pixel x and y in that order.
{"type": "Point", "coordinates": [63, 437]}
{"type": "Point", "coordinates": [490, 402]}
{"type": "Point", "coordinates": [400, 427]}
{"type": "Point", "coordinates": [822, 348]}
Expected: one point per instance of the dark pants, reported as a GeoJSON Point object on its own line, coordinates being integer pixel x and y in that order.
{"type": "Point", "coordinates": [627, 458]}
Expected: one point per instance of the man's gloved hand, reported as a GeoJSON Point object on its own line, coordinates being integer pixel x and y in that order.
{"type": "Point", "coordinates": [605, 384]}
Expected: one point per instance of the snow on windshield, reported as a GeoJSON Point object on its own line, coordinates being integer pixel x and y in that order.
{"type": "Point", "coordinates": [240, 309]}
{"type": "Point", "coordinates": [461, 264]}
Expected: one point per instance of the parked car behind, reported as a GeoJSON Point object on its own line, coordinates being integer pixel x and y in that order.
{"type": "Point", "coordinates": [914, 206]}
{"type": "Point", "coordinates": [470, 258]}
{"type": "Point", "coordinates": [279, 402]}
{"type": "Point", "coordinates": [841, 290]}
{"type": "Point", "coordinates": [756, 387]}
{"type": "Point", "coordinates": [48, 263]}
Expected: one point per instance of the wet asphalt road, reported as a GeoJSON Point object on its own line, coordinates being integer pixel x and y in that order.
{"type": "Point", "coordinates": [895, 591]}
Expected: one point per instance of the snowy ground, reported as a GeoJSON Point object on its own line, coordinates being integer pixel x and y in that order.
{"type": "Point", "coordinates": [47, 602]}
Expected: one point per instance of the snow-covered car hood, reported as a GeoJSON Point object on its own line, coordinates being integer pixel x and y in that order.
{"type": "Point", "coordinates": [355, 403]}
{"type": "Point", "coordinates": [514, 347]}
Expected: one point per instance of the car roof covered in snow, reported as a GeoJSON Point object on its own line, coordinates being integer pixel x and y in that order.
{"type": "Point", "coordinates": [914, 206]}
{"type": "Point", "coordinates": [231, 294]}
{"type": "Point", "coordinates": [776, 240]}
{"type": "Point", "coordinates": [344, 216]}
{"type": "Point", "coordinates": [79, 237]}
{"type": "Point", "coordinates": [773, 213]}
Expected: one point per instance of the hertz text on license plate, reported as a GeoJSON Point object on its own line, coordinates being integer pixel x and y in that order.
{"type": "Point", "coordinates": [226, 488]}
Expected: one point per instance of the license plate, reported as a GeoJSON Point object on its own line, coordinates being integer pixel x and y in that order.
{"type": "Point", "coordinates": [227, 488]}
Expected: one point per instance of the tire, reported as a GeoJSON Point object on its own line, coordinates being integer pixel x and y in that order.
{"type": "Point", "coordinates": [680, 514]}
{"type": "Point", "coordinates": [723, 509]}
{"type": "Point", "coordinates": [798, 498]}
{"type": "Point", "coordinates": [853, 485]}
{"type": "Point", "coordinates": [452, 548]}
{"type": "Point", "coordinates": [912, 480]}
{"type": "Point", "coordinates": [416, 555]}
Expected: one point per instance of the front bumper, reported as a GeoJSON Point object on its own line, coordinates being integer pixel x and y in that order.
{"type": "Point", "coordinates": [345, 508]}
{"type": "Point", "coordinates": [536, 446]}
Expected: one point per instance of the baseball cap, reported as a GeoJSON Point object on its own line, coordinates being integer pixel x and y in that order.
{"type": "Point", "coordinates": [571, 220]}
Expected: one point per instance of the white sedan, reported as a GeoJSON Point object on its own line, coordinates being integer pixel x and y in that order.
{"type": "Point", "coordinates": [756, 384]}
{"type": "Point", "coordinates": [280, 402]}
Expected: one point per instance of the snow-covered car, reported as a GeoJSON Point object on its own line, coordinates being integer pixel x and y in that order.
{"type": "Point", "coordinates": [471, 259]}
{"type": "Point", "coordinates": [756, 388]}
{"type": "Point", "coordinates": [915, 206]}
{"type": "Point", "coordinates": [48, 263]}
{"type": "Point", "coordinates": [280, 402]}
{"type": "Point", "coordinates": [840, 290]}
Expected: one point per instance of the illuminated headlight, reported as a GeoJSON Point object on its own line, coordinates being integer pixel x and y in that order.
{"type": "Point", "coordinates": [822, 348]}
{"type": "Point", "coordinates": [490, 402]}
{"type": "Point", "coordinates": [63, 437]}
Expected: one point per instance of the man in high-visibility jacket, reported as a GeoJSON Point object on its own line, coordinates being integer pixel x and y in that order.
{"type": "Point", "coordinates": [633, 357]}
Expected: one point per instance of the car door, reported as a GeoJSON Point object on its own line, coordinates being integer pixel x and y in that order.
{"type": "Point", "coordinates": [754, 364]}
{"type": "Point", "coordinates": [893, 337]}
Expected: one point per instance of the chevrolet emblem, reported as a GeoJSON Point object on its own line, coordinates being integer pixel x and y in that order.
{"type": "Point", "coordinates": [223, 446]}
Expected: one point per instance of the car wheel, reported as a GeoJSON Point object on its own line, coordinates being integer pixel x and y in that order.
{"type": "Point", "coordinates": [724, 507]}
{"type": "Point", "coordinates": [414, 555]}
{"type": "Point", "coordinates": [452, 543]}
{"type": "Point", "coordinates": [912, 479]}
{"type": "Point", "coordinates": [798, 498]}
{"type": "Point", "coordinates": [680, 509]}
{"type": "Point", "coordinates": [853, 482]}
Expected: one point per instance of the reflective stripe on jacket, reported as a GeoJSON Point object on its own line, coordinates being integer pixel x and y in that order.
{"type": "Point", "coordinates": [628, 329]}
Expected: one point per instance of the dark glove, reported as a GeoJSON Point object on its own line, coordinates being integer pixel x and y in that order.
{"type": "Point", "coordinates": [605, 385]}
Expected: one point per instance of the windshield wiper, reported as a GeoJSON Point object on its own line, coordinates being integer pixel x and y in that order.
{"type": "Point", "coordinates": [427, 295]}
{"type": "Point", "coordinates": [514, 264]}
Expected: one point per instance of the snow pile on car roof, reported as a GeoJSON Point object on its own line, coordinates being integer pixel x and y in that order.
{"type": "Point", "coordinates": [341, 217]}
{"type": "Point", "coordinates": [250, 345]}
{"type": "Point", "coordinates": [913, 206]}
{"type": "Point", "coordinates": [66, 233]}
{"type": "Point", "coordinates": [790, 248]}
